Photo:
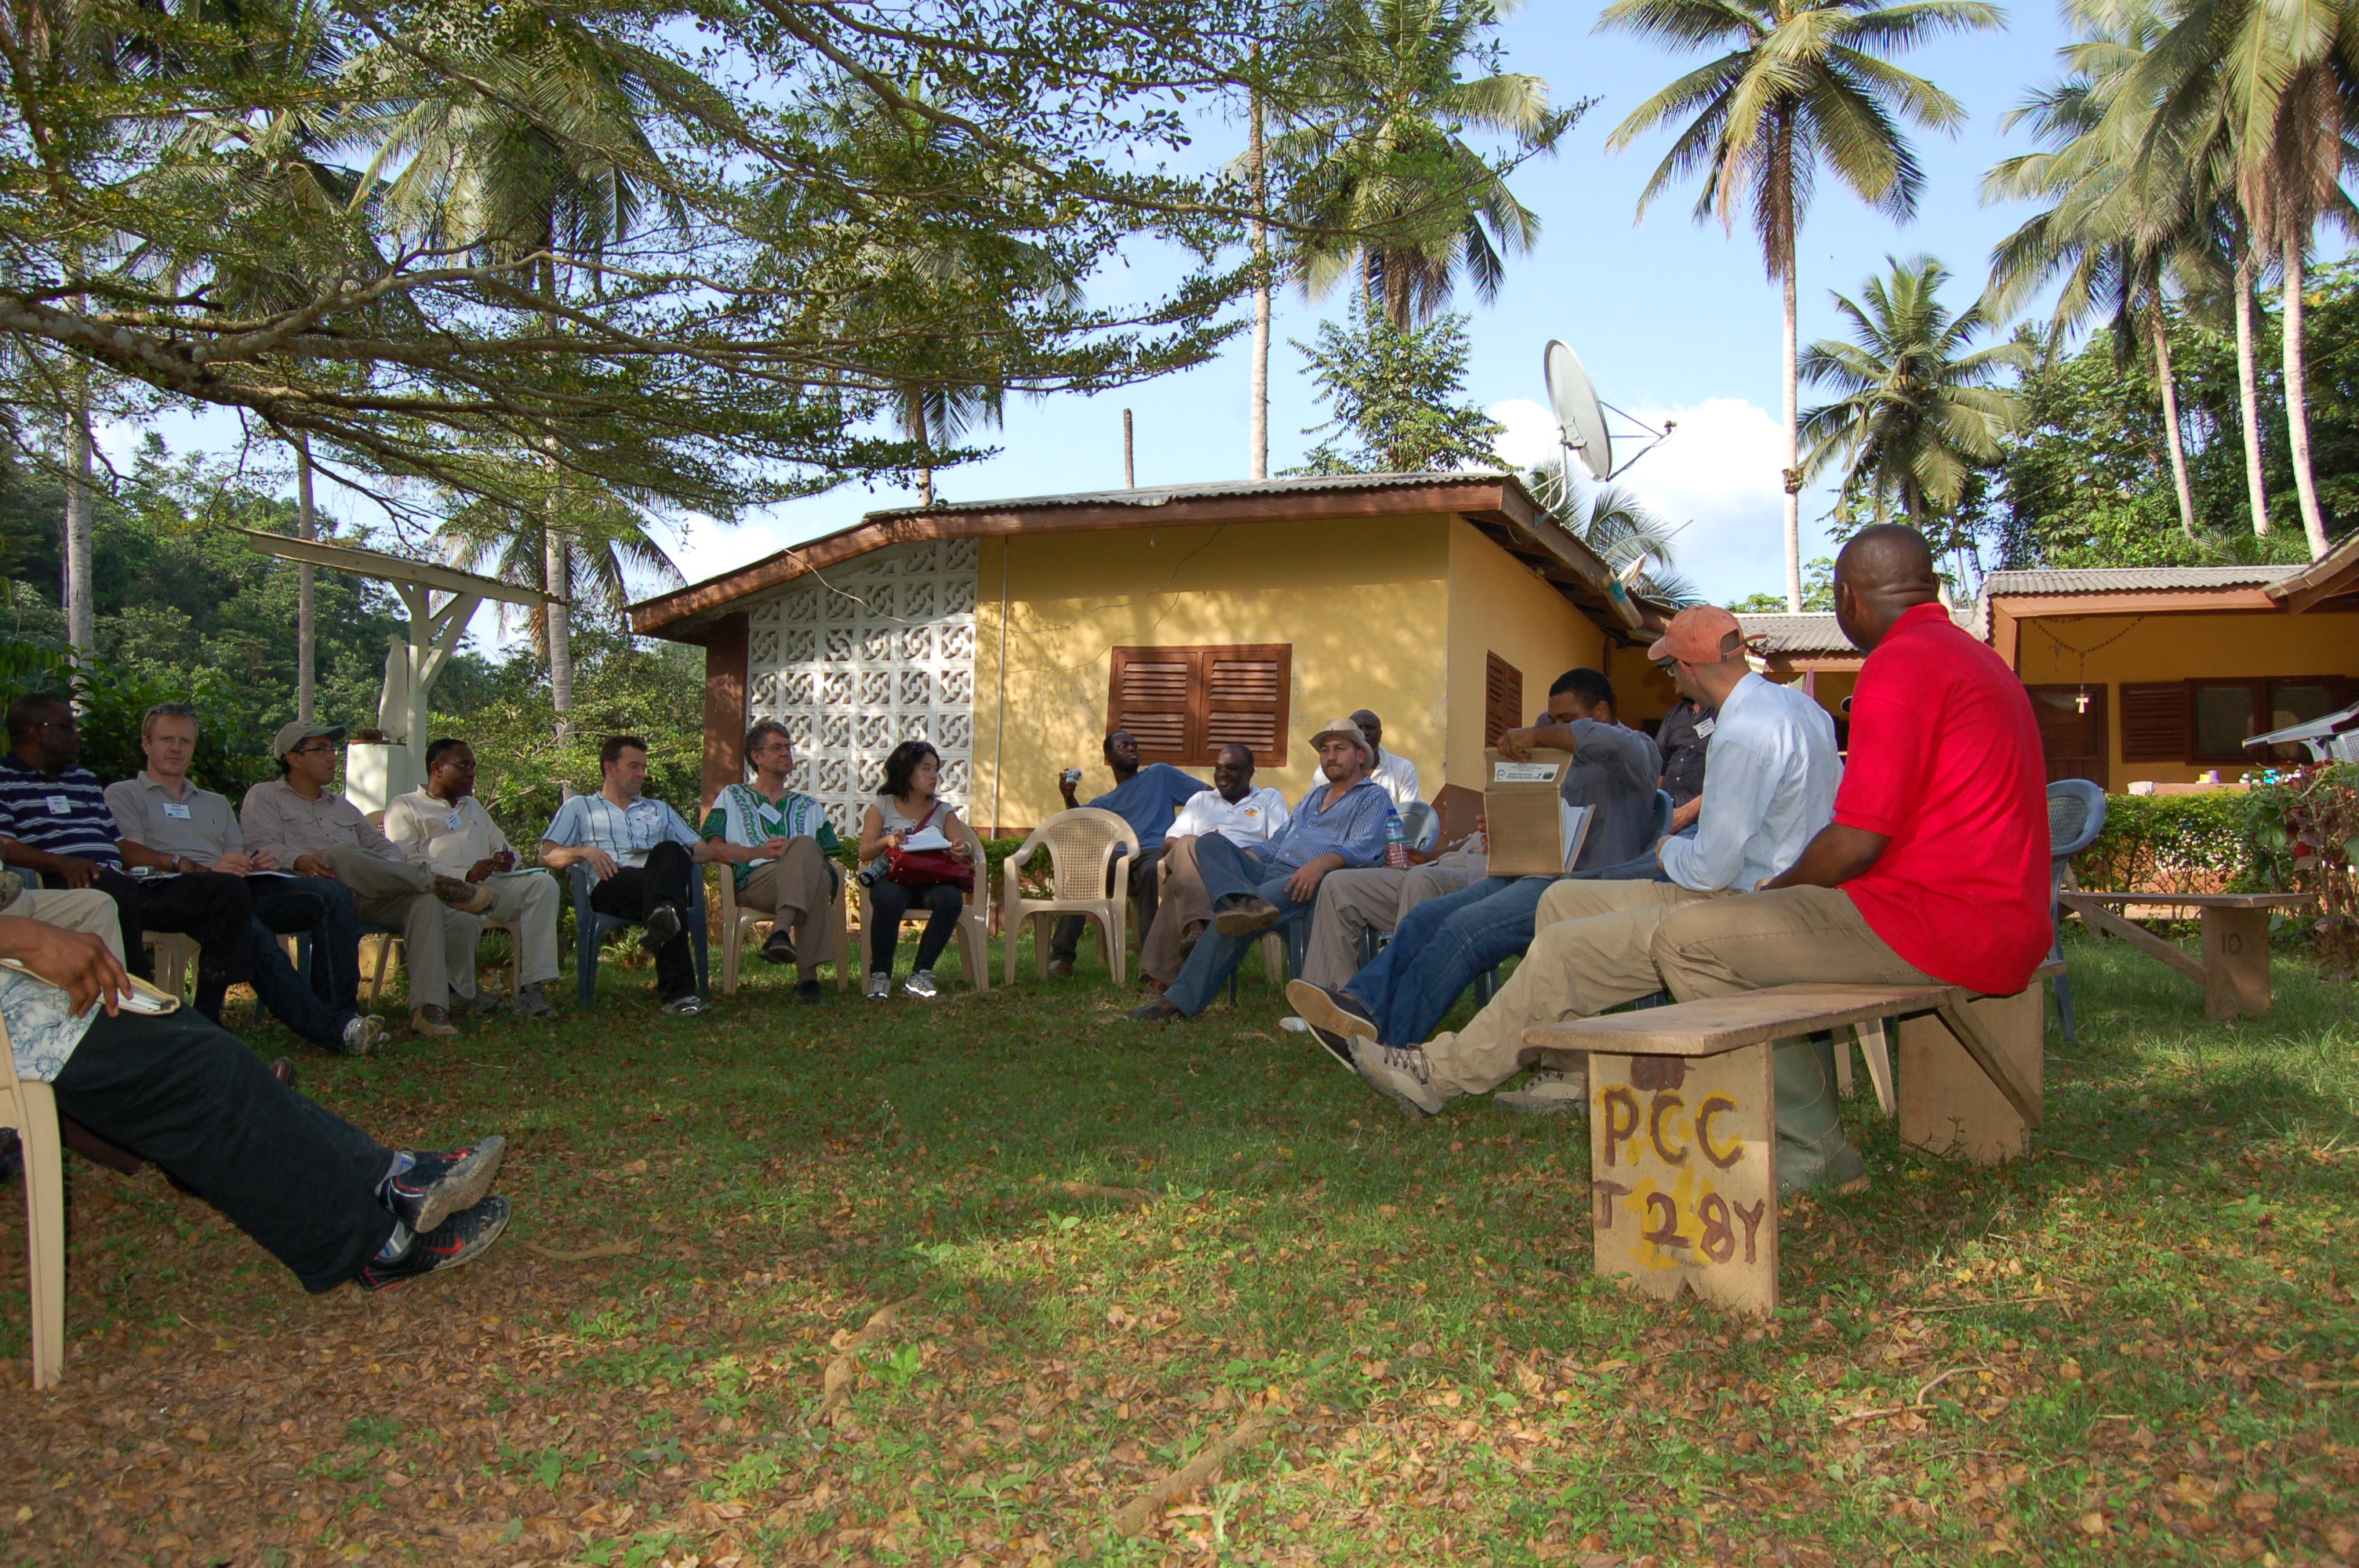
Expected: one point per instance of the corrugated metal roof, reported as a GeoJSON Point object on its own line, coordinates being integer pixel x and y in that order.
{"type": "Point", "coordinates": [1814, 632]}
{"type": "Point", "coordinates": [2132, 579]}
{"type": "Point", "coordinates": [1158, 495]}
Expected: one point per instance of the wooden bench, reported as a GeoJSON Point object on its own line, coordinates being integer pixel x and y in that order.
{"type": "Point", "coordinates": [1682, 1124]}
{"type": "Point", "coordinates": [2234, 967]}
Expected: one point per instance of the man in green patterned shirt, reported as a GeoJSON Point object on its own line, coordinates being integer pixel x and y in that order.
{"type": "Point", "coordinates": [778, 844]}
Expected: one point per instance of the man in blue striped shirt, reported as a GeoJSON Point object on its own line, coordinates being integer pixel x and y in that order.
{"type": "Point", "coordinates": [1340, 823]}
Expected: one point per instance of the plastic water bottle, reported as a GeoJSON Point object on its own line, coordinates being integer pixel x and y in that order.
{"type": "Point", "coordinates": [1396, 843]}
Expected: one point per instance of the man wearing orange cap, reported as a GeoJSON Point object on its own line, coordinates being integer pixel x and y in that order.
{"type": "Point", "coordinates": [1770, 787]}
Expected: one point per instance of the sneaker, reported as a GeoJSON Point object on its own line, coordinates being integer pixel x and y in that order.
{"type": "Point", "coordinates": [809, 994]}
{"type": "Point", "coordinates": [780, 946]}
{"type": "Point", "coordinates": [433, 1022]}
{"type": "Point", "coordinates": [532, 1001]}
{"type": "Point", "coordinates": [880, 986]}
{"type": "Point", "coordinates": [1059, 966]}
{"type": "Point", "coordinates": [461, 1238]}
{"type": "Point", "coordinates": [1249, 917]}
{"type": "Point", "coordinates": [1157, 1010]}
{"type": "Point", "coordinates": [685, 1006]}
{"type": "Point", "coordinates": [1335, 1017]}
{"type": "Point", "coordinates": [439, 1183]}
{"type": "Point", "coordinates": [468, 898]}
{"type": "Point", "coordinates": [1401, 1074]}
{"type": "Point", "coordinates": [662, 925]}
{"type": "Point", "coordinates": [1549, 1093]}
{"type": "Point", "coordinates": [362, 1030]}
{"type": "Point", "coordinates": [920, 984]}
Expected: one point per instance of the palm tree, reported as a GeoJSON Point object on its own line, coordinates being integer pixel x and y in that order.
{"type": "Point", "coordinates": [2271, 81]}
{"type": "Point", "coordinates": [605, 539]}
{"type": "Point", "coordinates": [1919, 409]}
{"type": "Point", "coordinates": [1611, 520]}
{"type": "Point", "coordinates": [1381, 184]}
{"type": "Point", "coordinates": [1802, 84]}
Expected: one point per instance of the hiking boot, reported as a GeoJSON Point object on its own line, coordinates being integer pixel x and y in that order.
{"type": "Point", "coordinates": [532, 1001]}
{"type": "Point", "coordinates": [809, 994]}
{"type": "Point", "coordinates": [1059, 966]}
{"type": "Point", "coordinates": [461, 1238]}
{"type": "Point", "coordinates": [1401, 1074]}
{"type": "Point", "coordinates": [1249, 916]}
{"type": "Point", "coordinates": [662, 925]}
{"type": "Point", "coordinates": [468, 898]}
{"type": "Point", "coordinates": [1157, 1010]}
{"type": "Point", "coordinates": [779, 949]}
{"type": "Point", "coordinates": [921, 984]}
{"type": "Point", "coordinates": [438, 1183]}
{"type": "Point", "coordinates": [880, 986]}
{"type": "Point", "coordinates": [1549, 1093]}
{"type": "Point", "coordinates": [361, 1032]}
{"type": "Point", "coordinates": [432, 1022]}
{"type": "Point", "coordinates": [686, 1006]}
{"type": "Point", "coordinates": [1335, 1017]}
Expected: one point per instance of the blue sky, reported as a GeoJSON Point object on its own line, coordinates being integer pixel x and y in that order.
{"type": "Point", "coordinates": [1671, 317]}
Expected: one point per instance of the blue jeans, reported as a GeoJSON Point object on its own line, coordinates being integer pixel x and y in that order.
{"type": "Point", "coordinates": [1228, 871]}
{"type": "Point", "coordinates": [318, 909]}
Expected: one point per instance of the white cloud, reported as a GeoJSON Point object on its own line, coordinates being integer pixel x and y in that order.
{"type": "Point", "coordinates": [1530, 438]}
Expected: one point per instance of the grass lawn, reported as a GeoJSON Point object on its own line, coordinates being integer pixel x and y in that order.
{"type": "Point", "coordinates": [1113, 1244]}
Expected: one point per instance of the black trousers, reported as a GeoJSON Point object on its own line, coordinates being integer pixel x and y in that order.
{"type": "Point", "coordinates": [208, 905]}
{"type": "Point", "coordinates": [321, 909]}
{"type": "Point", "coordinates": [1144, 886]}
{"type": "Point", "coordinates": [891, 903]}
{"type": "Point", "coordinates": [186, 1094]}
{"type": "Point", "coordinates": [633, 891]}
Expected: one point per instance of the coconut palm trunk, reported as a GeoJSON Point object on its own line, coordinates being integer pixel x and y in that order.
{"type": "Point", "coordinates": [2159, 329]}
{"type": "Point", "coordinates": [79, 616]}
{"type": "Point", "coordinates": [306, 526]}
{"type": "Point", "coordinates": [1791, 350]}
{"type": "Point", "coordinates": [2249, 392]}
{"type": "Point", "coordinates": [2297, 392]}
{"type": "Point", "coordinates": [1258, 445]}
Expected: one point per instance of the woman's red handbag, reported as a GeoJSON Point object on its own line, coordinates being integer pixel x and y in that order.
{"type": "Point", "coordinates": [925, 868]}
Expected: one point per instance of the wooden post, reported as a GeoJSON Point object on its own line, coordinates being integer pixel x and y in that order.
{"type": "Point", "coordinates": [1947, 1104]}
{"type": "Point", "coordinates": [2235, 962]}
{"type": "Point", "coordinates": [1683, 1174]}
{"type": "Point", "coordinates": [724, 706]}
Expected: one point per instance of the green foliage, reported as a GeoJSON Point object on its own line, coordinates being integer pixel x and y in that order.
{"type": "Point", "coordinates": [2303, 827]}
{"type": "Point", "coordinates": [112, 701]}
{"type": "Point", "coordinates": [1395, 392]}
{"type": "Point", "coordinates": [1818, 591]}
{"type": "Point", "coordinates": [2175, 843]}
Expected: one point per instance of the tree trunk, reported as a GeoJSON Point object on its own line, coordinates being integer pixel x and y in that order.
{"type": "Point", "coordinates": [2248, 393]}
{"type": "Point", "coordinates": [80, 617]}
{"type": "Point", "coordinates": [1258, 445]}
{"type": "Point", "coordinates": [2164, 379]}
{"type": "Point", "coordinates": [1792, 389]}
{"type": "Point", "coordinates": [2297, 393]}
{"type": "Point", "coordinates": [306, 587]}
{"type": "Point", "coordinates": [913, 424]}
{"type": "Point", "coordinates": [557, 575]}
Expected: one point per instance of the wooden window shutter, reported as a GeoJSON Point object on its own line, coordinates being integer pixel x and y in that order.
{"type": "Point", "coordinates": [1502, 699]}
{"type": "Point", "coordinates": [2154, 721]}
{"type": "Point", "coordinates": [1185, 704]}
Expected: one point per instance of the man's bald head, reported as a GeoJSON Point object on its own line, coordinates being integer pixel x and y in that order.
{"type": "Point", "coordinates": [1884, 572]}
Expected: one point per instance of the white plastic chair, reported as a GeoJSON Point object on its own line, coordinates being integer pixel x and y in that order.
{"type": "Point", "coordinates": [176, 960]}
{"type": "Point", "coordinates": [32, 1110]}
{"type": "Point", "coordinates": [1083, 843]}
{"type": "Point", "coordinates": [975, 920]}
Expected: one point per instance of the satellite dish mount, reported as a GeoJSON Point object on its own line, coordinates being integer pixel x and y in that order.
{"type": "Point", "coordinates": [1581, 428]}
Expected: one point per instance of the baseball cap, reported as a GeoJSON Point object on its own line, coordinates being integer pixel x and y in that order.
{"type": "Point", "coordinates": [290, 736]}
{"type": "Point", "coordinates": [1700, 634]}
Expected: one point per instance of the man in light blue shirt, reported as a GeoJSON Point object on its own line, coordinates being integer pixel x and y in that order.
{"type": "Point", "coordinates": [1254, 889]}
{"type": "Point", "coordinates": [643, 854]}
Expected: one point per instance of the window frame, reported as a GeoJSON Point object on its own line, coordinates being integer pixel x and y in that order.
{"type": "Point", "coordinates": [1198, 748]}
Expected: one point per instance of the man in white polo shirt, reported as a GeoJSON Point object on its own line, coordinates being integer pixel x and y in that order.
{"type": "Point", "coordinates": [1394, 772]}
{"type": "Point", "coordinates": [1235, 809]}
{"type": "Point", "coordinates": [443, 826]}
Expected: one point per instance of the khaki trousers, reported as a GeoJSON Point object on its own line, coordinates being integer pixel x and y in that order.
{"type": "Point", "coordinates": [1593, 947]}
{"type": "Point", "coordinates": [1179, 903]}
{"type": "Point", "coordinates": [437, 943]}
{"type": "Point", "coordinates": [85, 909]}
{"type": "Point", "coordinates": [799, 888]}
{"type": "Point", "coordinates": [1353, 901]}
{"type": "Point", "coordinates": [526, 902]}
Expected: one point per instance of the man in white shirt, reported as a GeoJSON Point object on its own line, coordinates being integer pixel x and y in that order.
{"type": "Point", "coordinates": [443, 826]}
{"type": "Point", "coordinates": [1235, 809]}
{"type": "Point", "coordinates": [1771, 788]}
{"type": "Point", "coordinates": [1396, 772]}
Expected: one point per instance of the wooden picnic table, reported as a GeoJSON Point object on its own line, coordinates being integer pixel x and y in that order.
{"type": "Point", "coordinates": [2234, 967]}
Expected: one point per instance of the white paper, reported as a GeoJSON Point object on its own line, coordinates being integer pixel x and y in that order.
{"type": "Point", "coordinates": [926, 838]}
{"type": "Point", "coordinates": [1574, 825]}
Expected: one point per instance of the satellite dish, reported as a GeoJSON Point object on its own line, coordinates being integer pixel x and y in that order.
{"type": "Point", "coordinates": [1580, 417]}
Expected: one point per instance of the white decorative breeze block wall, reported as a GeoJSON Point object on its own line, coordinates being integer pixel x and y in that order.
{"type": "Point", "coordinates": [858, 658]}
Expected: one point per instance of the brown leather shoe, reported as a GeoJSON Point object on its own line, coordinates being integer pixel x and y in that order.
{"type": "Point", "coordinates": [432, 1022]}
{"type": "Point", "coordinates": [468, 898]}
{"type": "Point", "coordinates": [283, 1070]}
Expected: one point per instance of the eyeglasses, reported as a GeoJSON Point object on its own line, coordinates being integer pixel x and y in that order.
{"type": "Point", "coordinates": [172, 710]}
{"type": "Point", "coordinates": [54, 724]}
{"type": "Point", "coordinates": [313, 750]}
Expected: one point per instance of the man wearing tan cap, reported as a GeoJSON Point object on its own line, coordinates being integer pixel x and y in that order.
{"type": "Point", "coordinates": [1339, 822]}
{"type": "Point", "coordinates": [1771, 786]}
{"type": "Point", "coordinates": [301, 824]}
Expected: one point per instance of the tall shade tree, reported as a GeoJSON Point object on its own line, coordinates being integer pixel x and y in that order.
{"type": "Point", "coordinates": [1801, 85]}
{"type": "Point", "coordinates": [1919, 409]}
{"type": "Point", "coordinates": [2277, 80]}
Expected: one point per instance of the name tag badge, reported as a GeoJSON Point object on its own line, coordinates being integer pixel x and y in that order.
{"type": "Point", "coordinates": [451, 822]}
{"type": "Point", "coordinates": [61, 805]}
{"type": "Point", "coordinates": [177, 812]}
{"type": "Point", "coordinates": [1704, 727]}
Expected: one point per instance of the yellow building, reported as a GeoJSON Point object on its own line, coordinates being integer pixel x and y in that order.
{"type": "Point", "coordinates": [1014, 635]}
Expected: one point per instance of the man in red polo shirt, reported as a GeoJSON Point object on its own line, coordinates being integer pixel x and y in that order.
{"type": "Point", "coordinates": [1935, 867]}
